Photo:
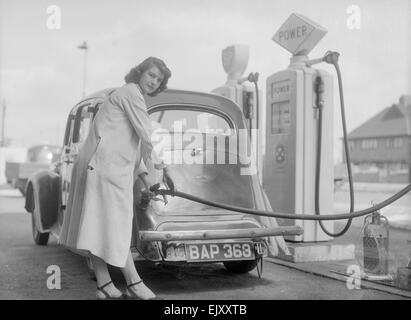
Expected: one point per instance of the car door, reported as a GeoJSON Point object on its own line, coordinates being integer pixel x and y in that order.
{"type": "Point", "coordinates": [78, 127]}
{"type": "Point", "coordinates": [66, 162]}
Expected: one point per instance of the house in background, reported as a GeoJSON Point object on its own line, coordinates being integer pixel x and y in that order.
{"type": "Point", "coordinates": [380, 148]}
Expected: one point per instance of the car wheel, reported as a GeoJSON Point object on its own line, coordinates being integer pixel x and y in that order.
{"type": "Point", "coordinates": [240, 266]}
{"type": "Point", "coordinates": [39, 238]}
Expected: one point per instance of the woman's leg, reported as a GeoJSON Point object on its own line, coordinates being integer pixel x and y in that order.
{"type": "Point", "coordinates": [103, 277]}
{"type": "Point", "coordinates": [131, 275]}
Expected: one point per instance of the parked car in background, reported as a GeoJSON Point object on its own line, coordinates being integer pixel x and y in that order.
{"type": "Point", "coordinates": [181, 231]}
{"type": "Point", "coordinates": [39, 157]}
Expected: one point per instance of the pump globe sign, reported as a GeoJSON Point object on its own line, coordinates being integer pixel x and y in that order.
{"type": "Point", "coordinates": [299, 35]}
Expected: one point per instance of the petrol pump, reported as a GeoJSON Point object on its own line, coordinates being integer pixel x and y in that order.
{"type": "Point", "coordinates": [291, 131]}
{"type": "Point", "coordinates": [241, 90]}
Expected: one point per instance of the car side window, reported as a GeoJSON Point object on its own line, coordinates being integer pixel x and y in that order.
{"type": "Point", "coordinates": [87, 117]}
{"type": "Point", "coordinates": [85, 123]}
{"type": "Point", "coordinates": [69, 134]}
{"type": "Point", "coordinates": [82, 123]}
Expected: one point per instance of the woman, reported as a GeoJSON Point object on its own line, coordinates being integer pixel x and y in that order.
{"type": "Point", "coordinates": [99, 215]}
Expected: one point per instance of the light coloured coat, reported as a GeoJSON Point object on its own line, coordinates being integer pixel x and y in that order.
{"type": "Point", "coordinates": [99, 213]}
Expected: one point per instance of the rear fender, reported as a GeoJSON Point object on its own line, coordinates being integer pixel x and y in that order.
{"type": "Point", "coordinates": [42, 198]}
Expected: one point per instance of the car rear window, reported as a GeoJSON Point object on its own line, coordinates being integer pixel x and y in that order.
{"type": "Point", "coordinates": [220, 181]}
{"type": "Point", "coordinates": [179, 120]}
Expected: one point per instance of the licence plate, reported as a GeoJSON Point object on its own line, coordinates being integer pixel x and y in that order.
{"type": "Point", "coordinates": [219, 251]}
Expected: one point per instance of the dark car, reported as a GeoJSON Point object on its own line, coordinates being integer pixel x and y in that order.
{"type": "Point", "coordinates": [181, 231]}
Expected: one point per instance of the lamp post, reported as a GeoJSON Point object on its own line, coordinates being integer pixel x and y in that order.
{"type": "Point", "coordinates": [3, 105]}
{"type": "Point", "coordinates": [84, 47]}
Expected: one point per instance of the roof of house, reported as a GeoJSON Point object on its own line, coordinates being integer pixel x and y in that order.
{"type": "Point", "coordinates": [390, 122]}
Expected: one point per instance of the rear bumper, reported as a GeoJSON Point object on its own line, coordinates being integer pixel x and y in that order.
{"type": "Point", "coordinates": [218, 234]}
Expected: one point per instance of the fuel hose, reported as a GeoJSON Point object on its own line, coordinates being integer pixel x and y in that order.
{"type": "Point", "coordinates": [294, 216]}
{"type": "Point", "coordinates": [332, 58]}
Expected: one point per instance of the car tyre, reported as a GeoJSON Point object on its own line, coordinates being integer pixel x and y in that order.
{"type": "Point", "coordinates": [243, 266]}
{"type": "Point", "coordinates": [39, 238]}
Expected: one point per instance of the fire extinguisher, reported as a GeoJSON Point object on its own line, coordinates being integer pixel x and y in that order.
{"type": "Point", "coordinates": [376, 244]}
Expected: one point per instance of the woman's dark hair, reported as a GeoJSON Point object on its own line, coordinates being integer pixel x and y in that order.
{"type": "Point", "coordinates": [135, 74]}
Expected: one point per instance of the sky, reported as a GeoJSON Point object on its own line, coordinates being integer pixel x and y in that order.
{"type": "Point", "coordinates": [41, 69]}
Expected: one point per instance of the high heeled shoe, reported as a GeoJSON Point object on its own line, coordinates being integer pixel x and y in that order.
{"type": "Point", "coordinates": [130, 294]}
{"type": "Point", "coordinates": [107, 295]}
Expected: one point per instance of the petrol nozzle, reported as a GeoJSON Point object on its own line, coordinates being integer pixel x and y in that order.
{"type": "Point", "coordinates": [331, 57]}
{"type": "Point", "coordinates": [155, 189]}
{"type": "Point", "coordinates": [252, 77]}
